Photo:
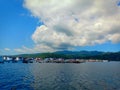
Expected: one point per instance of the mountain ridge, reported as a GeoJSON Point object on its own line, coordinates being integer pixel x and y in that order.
{"type": "Point", "coordinates": [112, 56]}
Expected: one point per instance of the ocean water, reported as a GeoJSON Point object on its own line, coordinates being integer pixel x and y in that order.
{"type": "Point", "coordinates": [54, 76]}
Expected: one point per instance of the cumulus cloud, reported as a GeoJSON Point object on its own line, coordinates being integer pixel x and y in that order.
{"type": "Point", "coordinates": [70, 23]}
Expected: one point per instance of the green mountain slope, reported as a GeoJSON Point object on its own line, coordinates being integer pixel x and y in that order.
{"type": "Point", "coordinates": [112, 56]}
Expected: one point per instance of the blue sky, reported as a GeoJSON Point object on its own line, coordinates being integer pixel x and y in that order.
{"type": "Point", "coordinates": [16, 26]}
{"type": "Point", "coordinates": [21, 25]}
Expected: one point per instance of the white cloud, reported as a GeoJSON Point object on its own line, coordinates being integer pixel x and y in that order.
{"type": "Point", "coordinates": [36, 49]}
{"type": "Point", "coordinates": [23, 50]}
{"type": "Point", "coordinates": [70, 23]}
{"type": "Point", "coordinates": [6, 49]}
{"type": "Point", "coordinates": [115, 38]}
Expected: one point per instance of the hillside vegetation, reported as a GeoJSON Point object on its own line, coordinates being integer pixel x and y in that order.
{"type": "Point", "coordinates": [112, 56]}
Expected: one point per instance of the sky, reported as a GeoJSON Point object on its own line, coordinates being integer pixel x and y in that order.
{"type": "Point", "coordinates": [36, 26]}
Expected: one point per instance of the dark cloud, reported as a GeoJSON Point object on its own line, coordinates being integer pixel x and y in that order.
{"type": "Point", "coordinates": [62, 29]}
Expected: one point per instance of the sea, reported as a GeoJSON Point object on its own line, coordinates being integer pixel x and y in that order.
{"type": "Point", "coordinates": [60, 76]}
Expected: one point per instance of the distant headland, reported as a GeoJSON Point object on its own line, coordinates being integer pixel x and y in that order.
{"type": "Point", "coordinates": [64, 57]}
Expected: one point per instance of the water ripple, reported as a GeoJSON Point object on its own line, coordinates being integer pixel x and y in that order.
{"type": "Point", "coordinates": [37, 76]}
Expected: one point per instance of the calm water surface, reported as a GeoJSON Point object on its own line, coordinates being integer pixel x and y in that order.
{"type": "Point", "coordinates": [53, 76]}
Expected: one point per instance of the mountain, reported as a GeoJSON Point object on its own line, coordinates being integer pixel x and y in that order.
{"type": "Point", "coordinates": [108, 56]}
{"type": "Point", "coordinates": [88, 53]}
{"type": "Point", "coordinates": [112, 56]}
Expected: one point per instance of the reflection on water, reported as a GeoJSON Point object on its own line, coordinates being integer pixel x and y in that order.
{"type": "Point", "coordinates": [68, 76]}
